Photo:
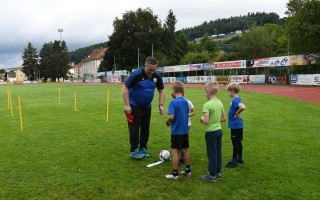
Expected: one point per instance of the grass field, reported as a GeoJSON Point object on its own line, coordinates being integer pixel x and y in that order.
{"type": "Point", "coordinates": [63, 154]}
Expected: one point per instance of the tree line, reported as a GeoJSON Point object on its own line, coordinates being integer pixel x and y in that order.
{"type": "Point", "coordinates": [267, 35]}
{"type": "Point", "coordinates": [140, 33]}
{"type": "Point", "coordinates": [52, 61]}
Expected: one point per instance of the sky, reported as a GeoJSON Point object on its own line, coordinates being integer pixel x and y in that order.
{"type": "Point", "coordinates": [89, 22]}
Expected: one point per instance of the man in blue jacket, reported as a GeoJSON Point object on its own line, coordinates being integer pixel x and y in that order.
{"type": "Point", "coordinates": [138, 93]}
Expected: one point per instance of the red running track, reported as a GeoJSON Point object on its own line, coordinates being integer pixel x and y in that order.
{"type": "Point", "coordinates": [304, 93]}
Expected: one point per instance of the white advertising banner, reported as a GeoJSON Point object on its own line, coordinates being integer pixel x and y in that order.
{"type": "Point", "coordinates": [257, 79]}
{"type": "Point", "coordinates": [172, 69]}
{"type": "Point", "coordinates": [271, 62]}
{"type": "Point", "coordinates": [168, 69]}
{"type": "Point", "coordinates": [114, 79]}
{"type": "Point", "coordinates": [230, 64]}
{"type": "Point", "coordinates": [316, 79]}
{"type": "Point", "coordinates": [239, 79]}
{"type": "Point", "coordinates": [200, 79]}
{"type": "Point", "coordinates": [185, 68]}
{"type": "Point", "coordinates": [305, 79]}
{"type": "Point", "coordinates": [169, 79]}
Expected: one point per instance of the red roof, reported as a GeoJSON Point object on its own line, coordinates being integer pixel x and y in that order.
{"type": "Point", "coordinates": [96, 54]}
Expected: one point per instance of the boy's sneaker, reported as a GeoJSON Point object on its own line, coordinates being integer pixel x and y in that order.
{"type": "Point", "coordinates": [240, 161]}
{"type": "Point", "coordinates": [208, 178]}
{"type": "Point", "coordinates": [219, 175]}
{"type": "Point", "coordinates": [170, 176]}
{"type": "Point", "coordinates": [144, 152]}
{"type": "Point", "coordinates": [188, 174]}
{"type": "Point", "coordinates": [136, 154]}
{"type": "Point", "coordinates": [231, 165]}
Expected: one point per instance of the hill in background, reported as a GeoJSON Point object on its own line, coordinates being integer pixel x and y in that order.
{"type": "Point", "coordinates": [232, 24]}
{"type": "Point", "coordinates": [216, 27]}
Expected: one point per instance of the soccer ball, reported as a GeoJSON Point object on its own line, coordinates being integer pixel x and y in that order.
{"type": "Point", "coordinates": [164, 155]}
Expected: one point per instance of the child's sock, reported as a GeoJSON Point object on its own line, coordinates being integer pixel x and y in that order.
{"type": "Point", "coordinates": [175, 172]}
{"type": "Point", "coordinates": [188, 169]}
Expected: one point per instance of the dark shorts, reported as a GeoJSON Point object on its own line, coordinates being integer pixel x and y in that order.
{"type": "Point", "coordinates": [180, 141]}
{"type": "Point", "coordinates": [237, 134]}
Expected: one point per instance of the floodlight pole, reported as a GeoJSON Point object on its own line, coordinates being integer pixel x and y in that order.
{"type": "Point", "coordinates": [60, 30]}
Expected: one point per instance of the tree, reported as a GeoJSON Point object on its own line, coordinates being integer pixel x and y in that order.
{"type": "Point", "coordinates": [169, 33]}
{"type": "Point", "coordinates": [179, 49]}
{"type": "Point", "coordinates": [303, 26]}
{"type": "Point", "coordinates": [196, 57]}
{"type": "Point", "coordinates": [267, 41]}
{"type": "Point", "coordinates": [137, 29]}
{"type": "Point", "coordinates": [231, 24]}
{"type": "Point", "coordinates": [207, 44]}
{"type": "Point", "coordinates": [107, 63]}
{"type": "Point", "coordinates": [54, 62]}
{"type": "Point", "coordinates": [204, 51]}
{"type": "Point", "coordinates": [30, 62]}
{"type": "Point", "coordinates": [64, 60]}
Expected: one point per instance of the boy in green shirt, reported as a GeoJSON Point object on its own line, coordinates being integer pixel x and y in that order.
{"type": "Point", "coordinates": [213, 114]}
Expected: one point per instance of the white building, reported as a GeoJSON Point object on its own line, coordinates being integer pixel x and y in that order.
{"type": "Point", "coordinates": [89, 66]}
{"type": "Point", "coordinates": [20, 76]}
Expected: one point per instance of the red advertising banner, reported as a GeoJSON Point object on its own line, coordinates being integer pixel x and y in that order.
{"type": "Point", "coordinates": [230, 64]}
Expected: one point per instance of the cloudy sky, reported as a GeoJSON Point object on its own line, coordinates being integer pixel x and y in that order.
{"type": "Point", "coordinates": [89, 22]}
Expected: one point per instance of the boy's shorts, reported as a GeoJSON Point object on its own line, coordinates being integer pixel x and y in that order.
{"type": "Point", "coordinates": [237, 134]}
{"type": "Point", "coordinates": [180, 141]}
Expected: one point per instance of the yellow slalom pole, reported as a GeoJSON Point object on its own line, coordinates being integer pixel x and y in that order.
{"type": "Point", "coordinates": [75, 101]}
{"type": "Point", "coordinates": [11, 103]}
{"type": "Point", "coordinates": [20, 112]}
{"type": "Point", "coordinates": [8, 94]}
{"type": "Point", "coordinates": [59, 94]}
{"type": "Point", "coordinates": [108, 99]}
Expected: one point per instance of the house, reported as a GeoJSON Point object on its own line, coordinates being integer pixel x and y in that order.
{"type": "Point", "coordinates": [11, 76]}
{"type": "Point", "coordinates": [71, 70]}
{"type": "Point", "coordinates": [89, 66]}
{"type": "Point", "coordinates": [78, 70]}
{"type": "Point", "coordinates": [20, 76]}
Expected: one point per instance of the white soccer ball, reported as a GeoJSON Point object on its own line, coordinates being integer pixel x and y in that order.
{"type": "Point", "coordinates": [164, 155]}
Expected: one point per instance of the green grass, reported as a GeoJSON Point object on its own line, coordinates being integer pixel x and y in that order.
{"type": "Point", "coordinates": [63, 154]}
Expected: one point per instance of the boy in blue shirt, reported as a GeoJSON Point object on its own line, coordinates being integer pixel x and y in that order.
{"type": "Point", "coordinates": [178, 120]}
{"type": "Point", "coordinates": [235, 123]}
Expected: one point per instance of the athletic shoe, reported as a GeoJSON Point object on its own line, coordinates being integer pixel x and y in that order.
{"type": "Point", "coordinates": [136, 154]}
{"type": "Point", "coordinates": [208, 178]}
{"type": "Point", "coordinates": [231, 165]}
{"type": "Point", "coordinates": [240, 161]}
{"type": "Point", "coordinates": [219, 175]}
{"type": "Point", "coordinates": [186, 174]}
{"type": "Point", "coordinates": [170, 176]}
{"type": "Point", "coordinates": [144, 152]}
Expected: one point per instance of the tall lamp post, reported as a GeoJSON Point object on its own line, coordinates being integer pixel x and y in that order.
{"type": "Point", "coordinates": [60, 30]}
